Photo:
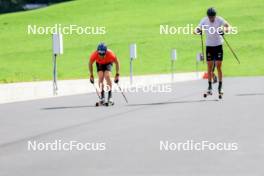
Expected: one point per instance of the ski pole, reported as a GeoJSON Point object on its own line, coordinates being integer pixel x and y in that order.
{"type": "Point", "coordinates": [97, 93]}
{"type": "Point", "coordinates": [122, 92]}
{"type": "Point", "coordinates": [231, 50]}
{"type": "Point", "coordinates": [202, 45]}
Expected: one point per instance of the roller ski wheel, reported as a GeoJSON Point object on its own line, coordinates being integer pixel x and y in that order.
{"type": "Point", "coordinates": [109, 104]}
{"type": "Point", "coordinates": [97, 104]}
{"type": "Point", "coordinates": [100, 103]}
{"type": "Point", "coordinates": [209, 92]}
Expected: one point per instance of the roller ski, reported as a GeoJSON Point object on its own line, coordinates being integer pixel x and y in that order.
{"type": "Point", "coordinates": [101, 102]}
{"type": "Point", "coordinates": [220, 90]}
{"type": "Point", "coordinates": [208, 92]}
{"type": "Point", "coordinates": [220, 93]}
{"type": "Point", "coordinates": [110, 102]}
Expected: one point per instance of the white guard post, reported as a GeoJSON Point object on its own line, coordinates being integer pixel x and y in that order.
{"type": "Point", "coordinates": [199, 58]}
{"type": "Point", "coordinates": [173, 59]}
{"type": "Point", "coordinates": [133, 55]}
{"type": "Point", "coordinates": [57, 45]}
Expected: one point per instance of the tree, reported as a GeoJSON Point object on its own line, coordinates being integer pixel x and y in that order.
{"type": "Point", "coordinates": [11, 5]}
{"type": "Point", "coordinates": [17, 5]}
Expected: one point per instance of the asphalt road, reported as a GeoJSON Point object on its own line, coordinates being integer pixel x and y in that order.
{"type": "Point", "coordinates": [131, 133]}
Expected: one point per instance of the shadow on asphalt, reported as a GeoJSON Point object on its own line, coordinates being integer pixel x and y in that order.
{"type": "Point", "coordinates": [67, 107]}
{"type": "Point", "coordinates": [172, 102]}
{"type": "Point", "coordinates": [141, 104]}
{"type": "Point", "coordinates": [250, 94]}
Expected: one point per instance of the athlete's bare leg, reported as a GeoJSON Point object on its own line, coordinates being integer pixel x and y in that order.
{"type": "Point", "coordinates": [219, 70]}
{"type": "Point", "coordinates": [101, 82]}
{"type": "Point", "coordinates": [107, 76]}
{"type": "Point", "coordinates": [220, 76]}
{"type": "Point", "coordinates": [210, 65]}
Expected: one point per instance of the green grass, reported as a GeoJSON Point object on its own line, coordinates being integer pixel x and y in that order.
{"type": "Point", "coordinates": [26, 57]}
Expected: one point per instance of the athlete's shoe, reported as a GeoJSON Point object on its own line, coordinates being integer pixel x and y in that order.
{"type": "Point", "coordinates": [221, 91]}
{"type": "Point", "coordinates": [210, 91]}
{"type": "Point", "coordinates": [110, 100]}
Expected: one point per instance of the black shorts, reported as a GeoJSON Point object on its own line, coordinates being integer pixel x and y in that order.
{"type": "Point", "coordinates": [214, 53]}
{"type": "Point", "coordinates": [104, 67]}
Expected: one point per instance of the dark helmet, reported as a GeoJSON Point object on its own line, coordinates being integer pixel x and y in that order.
{"type": "Point", "coordinates": [211, 11]}
{"type": "Point", "coordinates": [102, 48]}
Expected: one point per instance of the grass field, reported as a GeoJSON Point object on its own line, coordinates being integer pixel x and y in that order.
{"type": "Point", "coordinates": [26, 57]}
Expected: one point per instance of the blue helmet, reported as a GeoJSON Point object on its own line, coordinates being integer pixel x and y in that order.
{"type": "Point", "coordinates": [211, 11]}
{"type": "Point", "coordinates": [102, 48]}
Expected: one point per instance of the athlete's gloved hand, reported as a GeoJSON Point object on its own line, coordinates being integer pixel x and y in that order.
{"type": "Point", "coordinates": [221, 33]}
{"type": "Point", "coordinates": [117, 78]}
{"type": "Point", "coordinates": [92, 79]}
{"type": "Point", "coordinates": [199, 31]}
